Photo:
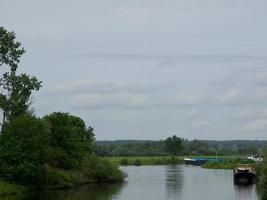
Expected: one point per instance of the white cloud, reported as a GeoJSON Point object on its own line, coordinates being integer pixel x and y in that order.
{"type": "Point", "coordinates": [192, 113]}
{"type": "Point", "coordinates": [201, 124]}
{"type": "Point", "coordinates": [232, 96]}
{"type": "Point", "coordinates": [256, 125]}
{"type": "Point", "coordinates": [113, 100]}
{"type": "Point", "coordinates": [187, 99]}
{"type": "Point", "coordinates": [243, 114]}
{"type": "Point", "coordinates": [88, 84]}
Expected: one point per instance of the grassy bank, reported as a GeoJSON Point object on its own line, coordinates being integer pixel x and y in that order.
{"type": "Point", "coordinates": [94, 170]}
{"type": "Point", "coordinates": [228, 164]}
{"type": "Point", "coordinates": [162, 160]}
{"type": "Point", "coordinates": [10, 188]}
{"type": "Point", "coordinates": [146, 160]}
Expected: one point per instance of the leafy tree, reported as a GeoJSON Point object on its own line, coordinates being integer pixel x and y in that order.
{"type": "Point", "coordinates": [23, 150]}
{"type": "Point", "coordinates": [10, 50]}
{"type": "Point", "coordinates": [70, 140]}
{"type": "Point", "coordinates": [174, 145]}
{"type": "Point", "coordinates": [15, 88]}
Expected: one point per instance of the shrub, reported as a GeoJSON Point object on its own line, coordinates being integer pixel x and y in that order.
{"type": "Point", "coordinates": [101, 170]}
{"type": "Point", "coordinates": [55, 177]}
{"type": "Point", "coordinates": [70, 140]}
{"type": "Point", "coordinates": [137, 162]}
{"type": "Point", "coordinates": [23, 148]}
{"type": "Point", "coordinates": [9, 188]}
{"type": "Point", "coordinates": [124, 161]}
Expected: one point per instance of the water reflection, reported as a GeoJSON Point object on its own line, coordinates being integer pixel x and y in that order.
{"type": "Point", "coordinates": [92, 192]}
{"type": "Point", "coordinates": [174, 181]}
{"type": "Point", "coordinates": [170, 182]}
{"type": "Point", "coordinates": [245, 192]}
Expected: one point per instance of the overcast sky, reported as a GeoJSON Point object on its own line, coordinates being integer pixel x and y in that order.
{"type": "Point", "coordinates": [148, 69]}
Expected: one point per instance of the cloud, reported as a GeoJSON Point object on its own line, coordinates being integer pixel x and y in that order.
{"type": "Point", "coordinates": [114, 100]}
{"type": "Point", "coordinates": [201, 124]}
{"type": "Point", "coordinates": [256, 125]}
{"type": "Point", "coordinates": [232, 96]}
{"type": "Point", "coordinates": [88, 85]}
{"type": "Point", "coordinates": [192, 113]}
{"type": "Point", "coordinates": [187, 99]}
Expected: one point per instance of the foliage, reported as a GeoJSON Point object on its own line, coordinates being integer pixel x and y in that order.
{"type": "Point", "coordinates": [227, 164]}
{"type": "Point", "coordinates": [146, 160]}
{"type": "Point", "coordinates": [10, 50]}
{"type": "Point", "coordinates": [122, 148]}
{"type": "Point", "coordinates": [101, 170]}
{"type": "Point", "coordinates": [174, 145]}
{"type": "Point", "coordinates": [262, 174]}
{"type": "Point", "coordinates": [10, 188]}
{"type": "Point", "coordinates": [23, 148]}
{"type": "Point", "coordinates": [16, 88]}
{"type": "Point", "coordinates": [70, 140]}
{"type": "Point", "coordinates": [41, 153]}
{"type": "Point", "coordinates": [137, 162]}
{"type": "Point", "coordinates": [124, 161]}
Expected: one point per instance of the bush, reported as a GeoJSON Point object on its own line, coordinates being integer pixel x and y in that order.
{"type": "Point", "coordinates": [55, 177]}
{"type": "Point", "coordinates": [124, 161]}
{"type": "Point", "coordinates": [8, 188]}
{"type": "Point", "coordinates": [101, 170]}
{"type": "Point", "coordinates": [23, 147]}
{"type": "Point", "coordinates": [70, 140]}
{"type": "Point", "coordinates": [137, 162]}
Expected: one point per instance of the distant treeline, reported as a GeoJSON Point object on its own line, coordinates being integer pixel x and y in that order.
{"type": "Point", "coordinates": [193, 147]}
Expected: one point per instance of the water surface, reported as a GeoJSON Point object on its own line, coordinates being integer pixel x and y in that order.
{"type": "Point", "coordinates": [170, 182]}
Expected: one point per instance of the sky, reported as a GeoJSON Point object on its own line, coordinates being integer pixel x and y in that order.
{"type": "Point", "coordinates": [148, 69]}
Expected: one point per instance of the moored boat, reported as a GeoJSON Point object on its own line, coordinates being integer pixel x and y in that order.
{"type": "Point", "coordinates": [200, 161]}
{"type": "Point", "coordinates": [244, 174]}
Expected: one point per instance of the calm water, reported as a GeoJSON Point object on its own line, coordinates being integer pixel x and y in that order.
{"type": "Point", "coordinates": [159, 183]}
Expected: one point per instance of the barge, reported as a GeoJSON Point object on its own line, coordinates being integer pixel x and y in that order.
{"type": "Point", "coordinates": [244, 174]}
{"type": "Point", "coordinates": [200, 161]}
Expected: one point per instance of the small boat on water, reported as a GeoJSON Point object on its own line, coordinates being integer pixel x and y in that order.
{"type": "Point", "coordinates": [244, 174]}
{"type": "Point", "coordinates": [200, 161]}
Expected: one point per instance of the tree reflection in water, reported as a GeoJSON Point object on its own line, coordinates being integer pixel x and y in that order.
{"type": "Point", "coordinates": [174, 180]}
{"type": "Point", "coordinates": [245, 192]}
{"type": "Point", "coordinates": [88, 192]}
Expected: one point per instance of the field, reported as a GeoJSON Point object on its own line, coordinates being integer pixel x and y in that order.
{"type": "Point", "coordinates": [230, 163]}
{"type": "Point", "coordinates": [146, 160]}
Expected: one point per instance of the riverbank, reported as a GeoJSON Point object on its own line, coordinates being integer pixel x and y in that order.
{"type": "Point", "coordinates": [94, 170]}
{"type": "Point", "coordinates": [164, 160]}
{"type": "Point", "coordinates": [10, 188]}
{"type": "Point", "coordinates": [146, 160]}
{"type": "Point", "coordinates": [227, 164]}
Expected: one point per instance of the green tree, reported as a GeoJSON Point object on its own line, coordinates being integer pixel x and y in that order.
{"type": "Point", "coordinates": [16, 89]}
{"type": "Point", "coordinates": [174, 145]}
{"type": "Point", "coordinates": [70, 140]}
{"type": "Point", "coordinates": [10, 50]}
{"type": "Point", "coordinates": [23, 150]}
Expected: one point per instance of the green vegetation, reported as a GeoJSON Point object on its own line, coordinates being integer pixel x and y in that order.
{"type": "Point", "coordinates": [227, 164]}
{"type": "Point", "coordinates": [173, 145]}
{"type": "Point", "coordinates": [39, 153]}
{"type": "Point", "coordinates": [146, 160]}
{"type": "Point", "coordinates": [261, 170]}
{"type": "Point", "coordinates": [8, 188]}
{"type": "Point", "coordinates": [135, 148]}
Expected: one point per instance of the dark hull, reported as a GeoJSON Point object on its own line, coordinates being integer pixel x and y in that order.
{"type": "Point", "coordinates": [244, 178]}
{"type": "Point", "coordinates": [194, 162]}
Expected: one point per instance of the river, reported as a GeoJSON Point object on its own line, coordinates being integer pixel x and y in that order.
{"type": "Point", "coordinates": [169, 182]}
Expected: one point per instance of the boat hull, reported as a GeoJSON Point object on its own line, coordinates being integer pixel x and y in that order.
{"type": "Point", "coordinates": [194, 162]}
{"type": "Point", "coordinates": [244, 178]}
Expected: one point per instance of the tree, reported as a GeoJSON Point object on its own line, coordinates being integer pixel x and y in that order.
{"type": "Point", "coordinates": [70, 140]}
{"type": "Point", "coordinates": [10, 50]}
{"type": "Point", "coordinates": [23, 150]}
{"type": "Point", "coordinates": [16, 89]}
{"type": "Point", "coordinates": [174, 145]}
